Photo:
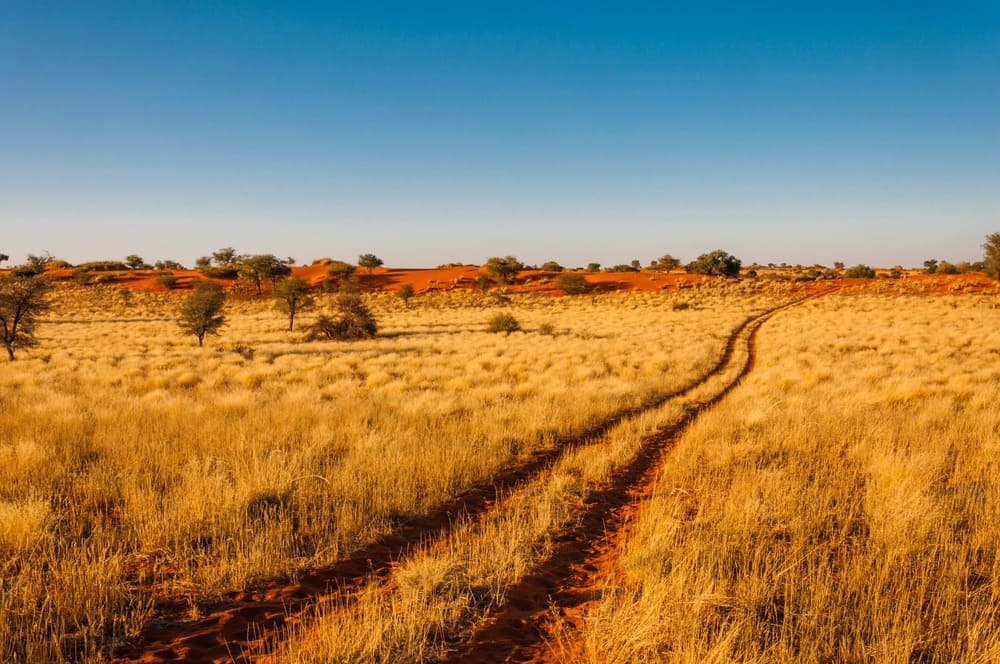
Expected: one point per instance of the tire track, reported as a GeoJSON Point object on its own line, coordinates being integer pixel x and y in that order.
{"type": "Point", "coordinates": [556, 591]}
{"type": "Point", "coordinates": [241, 624]}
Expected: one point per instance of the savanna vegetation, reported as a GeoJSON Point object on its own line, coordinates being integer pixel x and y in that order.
{"type": "Point", "coordinates": [167, 448]}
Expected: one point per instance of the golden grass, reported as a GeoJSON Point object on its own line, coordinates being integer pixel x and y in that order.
{"type": "Point", "coordinates": [138, 466]}
{"type": "Point", "coordinates": [841, 506]}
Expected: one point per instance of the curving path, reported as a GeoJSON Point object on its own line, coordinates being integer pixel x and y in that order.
{"type": "Point", "coordinates": [242, 625]}
{"type": "Point", "coordinates": [555, 593]}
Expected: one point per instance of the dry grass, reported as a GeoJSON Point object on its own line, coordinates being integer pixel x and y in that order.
{"type": "Point", "coordinates": [841, 506]}
{"type": "Point", "coordinates": [134, 465]}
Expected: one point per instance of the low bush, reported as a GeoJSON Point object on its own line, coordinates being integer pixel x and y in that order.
{"type": "Point", "coordinates": [572, 284]}
{"type": "Point", "coordinates": [503, 323]}
{"type": "Point", "coordinates": [353, 321]}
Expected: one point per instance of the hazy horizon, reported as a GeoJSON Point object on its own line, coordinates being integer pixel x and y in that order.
{"type": "Point", "coordinates": [449, 133]}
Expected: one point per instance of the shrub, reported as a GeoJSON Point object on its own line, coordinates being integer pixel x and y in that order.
{"type": "Point", "coordinates": [859, 271]}
{"type": "Point", "coordinates": [547, 329]}
{"type": "Point", "coordinates": [716, 262]}
{"type": "Point", "coordinates": [405, 292]}
{"type": "Point", "coordinates": [552, 266]}
{"type": "Point", "coordinates": [622, 268]}
{"type": "Point", "coordinates": [167, 280]}
{"type": "Point", "coordinates": [680, 306]}
{"type": "Point", "coordinates": [245, 350]}
{"type": "Point", "coordinates": [503, 323]}
{"type": "Point", "coordinates": [354, 321]}
{"type": "Point", "coordinates": [572, 284]}
{"type": "Point", "coordinates": [593, 267]}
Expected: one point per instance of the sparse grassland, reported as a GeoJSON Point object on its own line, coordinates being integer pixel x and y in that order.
{"type": "Point", "coordinates": [842, 505]}
{"type": "Point", "coordinates": [136, 467]}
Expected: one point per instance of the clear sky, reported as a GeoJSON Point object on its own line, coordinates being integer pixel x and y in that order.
{"type": "Point", "coordinates": [434, 132]}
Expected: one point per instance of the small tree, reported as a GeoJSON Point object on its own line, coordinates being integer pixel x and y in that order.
{"type": "Point", "coordinates": [930, 266]}
{"type": "Point", "coordinates": [503, 270]}
{"type": "Point", "coordinates": [201, 312]}
{"type": "Point", "coordinates": [859, 271]}
{"type": "Point", "coordinates": [571, 283]}
{"type": "Point", "coordinates": [293, 296]}
{"type": "Point", "coordinates": [259, 267]}
{"type": "Point", "coordinates": [991, 255]}
{"type": "Point", "coordinates": [370, 261]}
{"type": "Point", "coordinates": [593, 267]}
{"type": "Point", "coordinates": [716, 262]}
{"type": "Point", "coordinates": [134, 261]}
{"type": "Point", "coordinates": [224, 257]}
{"type": "Point", "coordinates": [404, 293]}
{"type": "Point", "coordinates": [666, 263]}
{"type": "Point", "coordinates": [552, 266]}
{"type": "Point", "coordinates": [22, 301]}
{"type": "Point", "coordinates": [4, 257]}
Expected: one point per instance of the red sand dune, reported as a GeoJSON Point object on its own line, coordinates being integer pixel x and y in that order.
{"type": "Point", "coordinates": [425, 280]}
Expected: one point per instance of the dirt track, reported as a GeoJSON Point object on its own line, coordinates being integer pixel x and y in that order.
{"type": "Point", "coordinates": [557, 592]}
{"type": "Point", "coordinates": [240, 626]}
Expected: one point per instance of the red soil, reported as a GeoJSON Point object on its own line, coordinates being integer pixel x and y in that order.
{"type": "Point", "coordinates": [425, 280]}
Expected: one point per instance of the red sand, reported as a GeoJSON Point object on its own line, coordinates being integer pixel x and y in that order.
{"type": "Point", "coordinates": [425, 280]}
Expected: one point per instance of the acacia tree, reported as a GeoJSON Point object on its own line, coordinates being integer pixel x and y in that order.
{"type": "Point", "coordinates": [716, 262]}
{"type": "Point", "coordinates": [991, 255]}
{"type": "Point", "coordinates": [370, 261]}
{"type": "Point", "coordinates": [503, 270]}
{"type": "Point", "coordinates": [258, 267]}
{"type": "Point", "coordinates": [201, 312]}
{"type": "Point", "coordinates": [4, 257]}
{"type": "Point", "coordinates": [22, 301]}
{"type": "Point", "coordinates": [293, 296]}
{"type": "Point", "coordinates": [134, 261]}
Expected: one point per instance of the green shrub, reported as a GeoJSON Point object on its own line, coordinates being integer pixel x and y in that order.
{"type": "Point", "coordinates": [572, 284]}
{"type": "Point", "coordinates": [859, 271]}
{"type": "Point", "coordinates": [716, 262]}
{"type": "Point", "coordinates": [354, 321]}
{"type": "Point", "coordinates": [167, 280]}
{"type": "Point", "coordinates": [503, 323]}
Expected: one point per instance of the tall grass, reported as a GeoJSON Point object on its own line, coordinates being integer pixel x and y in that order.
{"type": "Point", "coordinates": [135, 466]}
{"type": "Point", "coordinates": [842, 506]}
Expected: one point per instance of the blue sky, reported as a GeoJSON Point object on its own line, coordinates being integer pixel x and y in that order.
{"type": "Point", "coordinates": [435, 132]}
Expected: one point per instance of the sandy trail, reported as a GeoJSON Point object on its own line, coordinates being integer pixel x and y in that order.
{"type": "Point", "coordinates": [244, 624]}
{"type": "Point", "coordinates": [549, 603]}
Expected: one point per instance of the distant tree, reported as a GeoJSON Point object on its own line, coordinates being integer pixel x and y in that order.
{"type": "Point", "coordinates": [134, 261]}
{"type": "Point", "coordinates": [201, 312]}
{"type": "Point", "coordinates": [224, 257]}
{"type": "Point", "coordinates": [930, 266]}
{"type": "Point", "coordinates": [202, 262]}
{"type": "Point", "coordinates": [293, 296]}
{"type": "Point", "coordinates": [35, 264]}
{"type": "Point", "coordinates": [666, 263]}
{"type": "Point", "coordinates": [338, 273]}
{"type": "Point", "coordinates": [716, 262]}
{"type": "Point", "coordinates": [572, 283]}
{"type": "Point", "coordinates": [405, 292]}
{"type": "Point", "coordinates": [838, 265]}
{"type": "Point", "coordinates": [859, 271]}
{"type": "Point", "coordinates": [168, 265]}
{"type": "Point", "coordinates": [552, 266]}
{"type": "Point", "coordinates": [257, 268]}
{"type": "Point", "coordinates": [593, 267]}
{"type": "Point", "coordinates": [503, 270]}
{"type": "Point", "coordinates": [636, 265]}
{"type": "Point", "coordinates": [22, 301]}
{"type": "Point", "coordinates": [991, 255]}
{"type": "Point", "coordinates": [369, 261]}
{"type": "Point", "coordinates": [4, 257]}
{"type": "Point", "coordinates": [622, 268]}
{"type": "Point", "coordinates": [944, 267]}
